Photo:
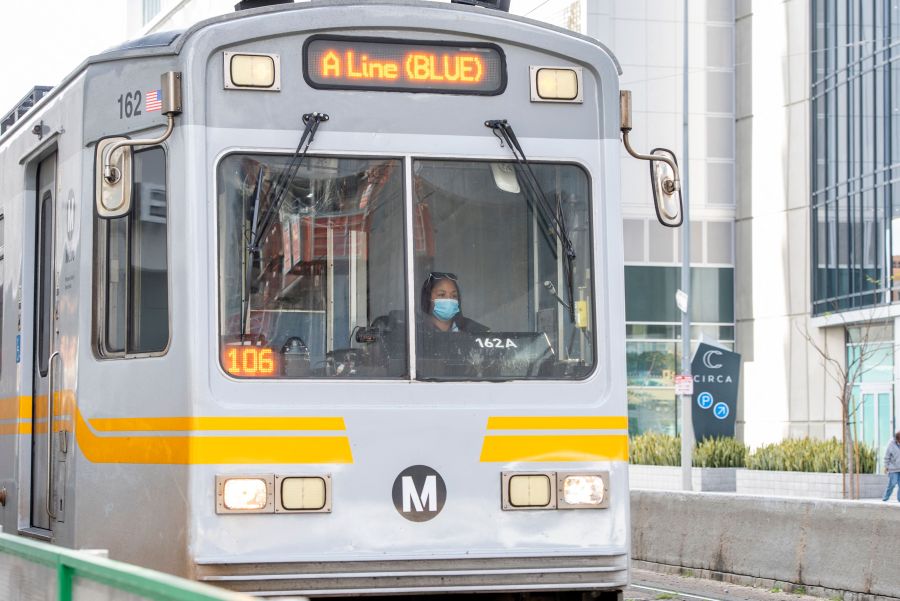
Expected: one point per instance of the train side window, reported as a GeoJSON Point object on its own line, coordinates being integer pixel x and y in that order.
{"type": "Point", "coordinates": [134, 291]}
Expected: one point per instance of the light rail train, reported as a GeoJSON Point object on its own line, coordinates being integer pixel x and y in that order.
{"type": "Point", "coordinates": [325, 299]}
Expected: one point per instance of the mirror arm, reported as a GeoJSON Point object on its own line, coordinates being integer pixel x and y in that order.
{"type": "Point", "coordinates": [110, 172]}
{"type": "Point", "coordinates": [670, 186]}
{"type": "Point", "coordinates": [674, 183]}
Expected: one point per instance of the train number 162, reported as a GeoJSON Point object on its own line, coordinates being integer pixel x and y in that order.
{"type": "Point", "coordinates": [130, 104]}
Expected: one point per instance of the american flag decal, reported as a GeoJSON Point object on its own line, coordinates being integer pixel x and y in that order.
{"type": "Point", "coordinates": [153, 101]}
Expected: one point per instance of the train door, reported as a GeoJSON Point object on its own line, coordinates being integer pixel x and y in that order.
{"type": "Point", "coordinates": [46, 498]}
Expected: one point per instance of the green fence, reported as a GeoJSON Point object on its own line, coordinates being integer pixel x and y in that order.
{"type": "Point", "coordinates": [57, 574]}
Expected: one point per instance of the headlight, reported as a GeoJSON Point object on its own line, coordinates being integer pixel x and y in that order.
{"type": "Point", "coordinates": [583, 490]}
{"type": "Point", "coordinates": [244, 494]}
{"type": "Point", "coordinates": [252, 71]}
{"type": "Point", "coordinates": [528, 490]}
{"type": "Point", "coordinates": [307, 494]}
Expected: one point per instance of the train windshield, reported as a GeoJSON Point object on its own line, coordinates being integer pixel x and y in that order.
{"type": "Point", "coordinates": [306, 274]}
{"type": "Point", "coordinates": [312, 270]}
{"type": "Point", "coordinates": [493, 296]}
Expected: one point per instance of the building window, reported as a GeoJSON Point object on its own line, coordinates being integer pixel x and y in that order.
{"type": "Point", "coordinates": [870, 375]}
{"type": "Point", "coordinates": [653, 336]}
{"type": "Point", "coordinates": [855, 154]}
{"type": "Point", "coordinates": [133, 266]}
{"type": "Point", "coordinates": [149, 9]}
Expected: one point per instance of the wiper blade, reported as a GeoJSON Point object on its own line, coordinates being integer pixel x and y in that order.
{"type": "Point", "coordinates": [248, 258]}
{"type": "Point", "coordinates": [553, 216]}
{"type": "Point", "coordinates": [260, 225]}
{"type": "Point", "coordinates": [311, 120]}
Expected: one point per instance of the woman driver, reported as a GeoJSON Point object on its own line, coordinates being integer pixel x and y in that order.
{"type": "Point", "coordinates": [441, 304]}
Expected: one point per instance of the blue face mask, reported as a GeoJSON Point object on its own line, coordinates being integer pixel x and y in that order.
{"type": "Point", "coordinates": [445, 309]}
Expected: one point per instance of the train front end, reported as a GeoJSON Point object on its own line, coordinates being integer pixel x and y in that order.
{"type": "Point", "coordinates": [414, 321]}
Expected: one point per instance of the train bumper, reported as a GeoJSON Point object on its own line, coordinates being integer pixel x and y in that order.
{"type": "Point", "coordinates": [506, 574]}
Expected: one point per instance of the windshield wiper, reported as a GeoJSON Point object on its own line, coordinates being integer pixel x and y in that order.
{"type": "Point", "coordinates": [260, 225]}
{"type": "Point", "coordinates": [311, 120]}
{"type": "Point", "coordinates": [552, 216]}
{"type": "Point", "coordinates": [248, 257]}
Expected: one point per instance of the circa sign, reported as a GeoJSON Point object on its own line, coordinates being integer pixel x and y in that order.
{"type": "Point", "coordinates": [716, 373]}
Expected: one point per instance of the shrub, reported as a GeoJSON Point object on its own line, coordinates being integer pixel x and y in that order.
{"type": "Point", "coordinates": [653, 448]}
{"type": "Point", "coordinates": [720, 452]}
{"type": "Point", "coordinates": [808, 455]}
{"type": "Point", "coordinates": [790, 455]}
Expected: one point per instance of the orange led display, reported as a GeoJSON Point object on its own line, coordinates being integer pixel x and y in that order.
{"type": "Point", "coordinates": [249, 361]}
{"type": "Point", "coordinates": [349, 63]}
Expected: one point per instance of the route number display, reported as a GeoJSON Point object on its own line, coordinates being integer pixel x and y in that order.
{"type": "Point", "coordinates": [401, 66]}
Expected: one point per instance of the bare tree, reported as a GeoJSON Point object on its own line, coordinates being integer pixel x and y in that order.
{"type": "Point", "coordinates": [846, 370]}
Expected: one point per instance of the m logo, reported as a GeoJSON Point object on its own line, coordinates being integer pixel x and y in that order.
{"type": "Point", "coordinates": [419, 493]}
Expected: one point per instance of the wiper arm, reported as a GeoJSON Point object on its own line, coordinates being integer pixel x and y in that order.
{"type": "Point", "coordinates": [260, 225]}
{"type": "Point", "coordinates": [248, 258]}
{"type": "Point", "coordinates": [311, 120]}
{"type": "Point", "coordinates": [552, 216]}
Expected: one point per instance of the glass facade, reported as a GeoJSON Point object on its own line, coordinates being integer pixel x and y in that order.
{"type": "Point", "coordinates": [855, 173]}
{"type": "Point", "coordinates": [653, 336]}
{"type": "Point", "coordinates": [870, 371]}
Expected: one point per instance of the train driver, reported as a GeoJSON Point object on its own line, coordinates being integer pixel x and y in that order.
{"type": "Point", "coordinates": [441, 304]}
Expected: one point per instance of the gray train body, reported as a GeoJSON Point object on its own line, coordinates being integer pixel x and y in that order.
{"type": "Point", "coordinates": [138, 439]}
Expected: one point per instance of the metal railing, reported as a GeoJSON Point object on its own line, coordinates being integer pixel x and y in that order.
{"type": "Point", "coordinates": [75, 567]}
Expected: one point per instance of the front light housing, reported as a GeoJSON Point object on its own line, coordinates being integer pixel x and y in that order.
{"type": "Point", "coordinates": [583, 490]}
{"type": "Point", "coordinates": [244, 494]}
{"type": "Point", "coordinates": [304, 494]}
{"type": "Point", "coordinates": [556, 84]}
{"type": "Point", "coordinates": [252, 71]}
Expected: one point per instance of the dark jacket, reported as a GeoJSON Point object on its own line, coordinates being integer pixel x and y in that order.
{"type": "Point", "coordinates": [464, 324]}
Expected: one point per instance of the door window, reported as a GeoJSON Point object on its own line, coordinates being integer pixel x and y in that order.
{"type": "Point", "coordinates": [134, 266]}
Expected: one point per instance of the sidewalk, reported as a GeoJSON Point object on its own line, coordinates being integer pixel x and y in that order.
{"type": "Point", "coordinates": [653, 586]}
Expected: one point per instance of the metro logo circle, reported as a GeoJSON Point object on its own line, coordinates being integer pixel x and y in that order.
{"type": "Point", "coordinates": [419, 493]}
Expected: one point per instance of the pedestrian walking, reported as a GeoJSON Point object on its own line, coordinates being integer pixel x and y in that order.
{"type": "Point", "coordinates": [892, 467]}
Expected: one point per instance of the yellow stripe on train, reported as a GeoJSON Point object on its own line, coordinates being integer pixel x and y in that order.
{"type": "Point", "coordinates": [211, 449]}
{"type": "Point", "coordinates": [556, 448]}
{"type": "Point", "coordinates": [558, 422]}
{"type": "Point", "coordinates": [590, 447]}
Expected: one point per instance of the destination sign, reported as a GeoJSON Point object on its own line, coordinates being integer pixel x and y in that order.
{"type": "Point", "coordinates": [401, 66]}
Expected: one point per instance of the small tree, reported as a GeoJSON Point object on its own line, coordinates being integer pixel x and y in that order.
{"type": "Point", "coordinates": [846, 370]}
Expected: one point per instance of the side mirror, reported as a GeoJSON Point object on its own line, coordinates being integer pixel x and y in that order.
{"type": "Point", "coordinates": [113, 161]}
{"type": "Point", "coordinates": [664, 174]}
{"type": "Point", "coordinates": [666, 194]}
{"type": "Point", "coordinates": [113, 188]}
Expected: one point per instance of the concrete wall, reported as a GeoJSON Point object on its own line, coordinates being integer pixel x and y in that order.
{"type": "Point", "coordinates": [836, 546]}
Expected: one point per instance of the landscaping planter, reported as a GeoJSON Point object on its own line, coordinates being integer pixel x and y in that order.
{"type": "Point", "coordinates": [804, 484]}
{"type": "Point", "coordinates": [658, 477]}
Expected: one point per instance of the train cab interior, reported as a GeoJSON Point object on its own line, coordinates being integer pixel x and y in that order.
{"type": "Point", "coordinates": [313, 279]}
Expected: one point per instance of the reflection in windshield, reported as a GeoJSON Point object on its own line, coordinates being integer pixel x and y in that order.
{"type": "Point", "coordinates": [323, 295]}
{"type": "Point", "coordinates": [324, 292]}
{"type": "Point", "coordinates": [490, 271]}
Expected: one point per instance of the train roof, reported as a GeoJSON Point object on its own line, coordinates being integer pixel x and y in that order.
{"type": "Point", "coordinates": [171, 42]}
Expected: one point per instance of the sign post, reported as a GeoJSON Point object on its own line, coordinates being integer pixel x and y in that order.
{"type": "Point", "coordinates": [683, 299]}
